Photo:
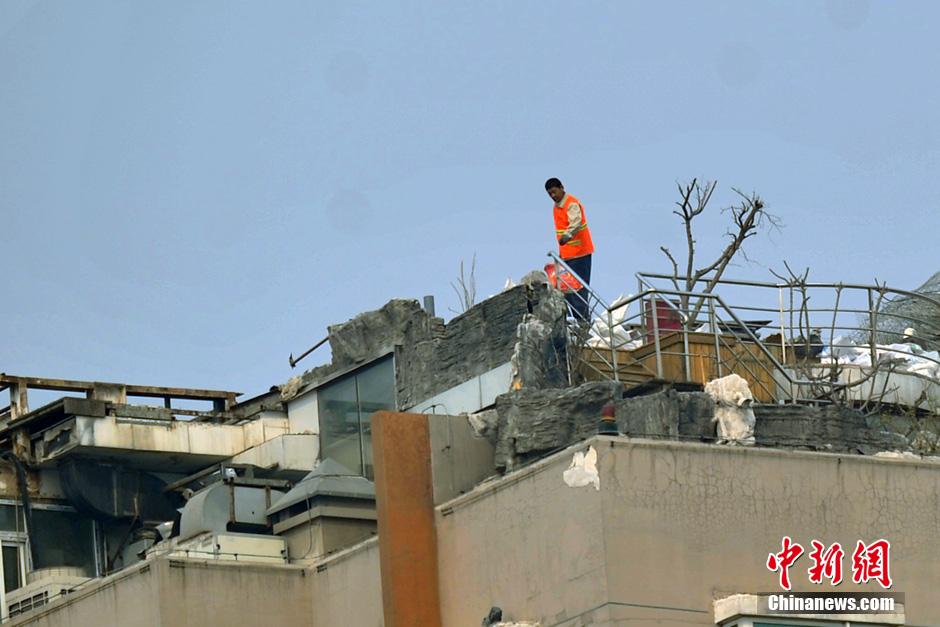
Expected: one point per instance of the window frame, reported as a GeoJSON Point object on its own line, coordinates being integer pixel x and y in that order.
{"type": "Point", "coordinates": [354, 374]}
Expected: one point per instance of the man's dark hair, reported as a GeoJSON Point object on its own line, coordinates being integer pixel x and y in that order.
{"type": "Point", "coordinates": [550, 183]}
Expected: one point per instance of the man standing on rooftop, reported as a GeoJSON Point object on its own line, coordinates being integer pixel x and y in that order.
{"type": "Point", "coordinates": [574, 242]}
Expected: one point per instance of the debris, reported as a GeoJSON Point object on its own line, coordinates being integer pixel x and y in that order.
{"type": "Point", "coordinates": [605, 332]}
{"type": "Point", "coordinates": [733, 411]}
{"type": "Point", "coordinates": [495, 616]}
{"type": "Point", "coordinates": [289, 390]}
{"type": "Point", "coordinates": [906, 357]}
{"type": "Point", "coordinates": [485, 424]}
{"type": "Point", "coordinates": [897, 455]}
{"type": "Point", "coordinates": [536, 277]}
{"type": "Point", "coordinates": [803, 348]}
{"type": "Point", "coordinates": [583, 470]}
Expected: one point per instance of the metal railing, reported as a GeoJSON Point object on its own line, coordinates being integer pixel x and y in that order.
{"type": "Point", "coordinates": [793, 341]}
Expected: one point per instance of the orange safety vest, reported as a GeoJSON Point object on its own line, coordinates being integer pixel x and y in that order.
{"type": "Point", "coordinates": [581, 244]}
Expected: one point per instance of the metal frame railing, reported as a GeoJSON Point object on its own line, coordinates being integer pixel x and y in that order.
{"type": "Point", "coordinates": [807, 318]}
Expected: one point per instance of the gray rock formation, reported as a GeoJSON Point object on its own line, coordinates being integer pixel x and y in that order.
{"type": "Point", "coordinates": [472, 343]}
{"type": "Point", "coordinates": [668, 414]}
{"type": "Point", "coordinates": [834, 428]}
{"type": "Point", "coordinates": [373, 333]}
{"type": "Point", "coordinates": [431, 357]}
{"type": "Point", "coordinates": [539, 359]}
{"type": "Point", "coordinates": [535, 422]}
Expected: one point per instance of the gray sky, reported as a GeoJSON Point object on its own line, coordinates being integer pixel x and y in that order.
{"type": "Point", "coordinates": [192, 190]}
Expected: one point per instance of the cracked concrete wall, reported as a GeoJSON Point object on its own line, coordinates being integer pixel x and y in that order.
{"type": "Point", "coordinates": [685, 522]}
{"type": "Point", "coordinates": [677, 525]}
{"type": "Point", "coordinates": [532, 546]}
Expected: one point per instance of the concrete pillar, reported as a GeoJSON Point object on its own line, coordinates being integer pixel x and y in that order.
{"type": "Point", "coordinates": [110, 392]}
{"type": "Point", "coordinates": [19, 402]}
{"type": "Point", "coordinates": [401, 450]}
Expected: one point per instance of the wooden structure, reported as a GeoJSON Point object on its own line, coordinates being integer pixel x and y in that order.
{"type": "Point", "coordinates": [706, 361]}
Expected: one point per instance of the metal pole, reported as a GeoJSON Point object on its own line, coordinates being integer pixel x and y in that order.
{"type": "Point", "coordinates": [293, 362]}
{"type": "Point", "coordinates": [613, 349]}
{"type": "Point", "coordinates": [659, 355]}
{"type": "Point", "coordinates": [687, 362]}
{"type": "Point", "coordinates": [872, 327]}
{"type": "Point", "coordinates": [713, 323]}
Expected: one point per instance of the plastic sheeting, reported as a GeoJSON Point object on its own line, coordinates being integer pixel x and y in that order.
{"type": "Point", "coordinates": [583, 470]}
{"type": "Point", "coordinates": [622, 338]}
{"type": "Point", "coordinates": [906, 357]}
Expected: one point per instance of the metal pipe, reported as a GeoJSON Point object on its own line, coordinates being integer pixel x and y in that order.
{"type": "Point", "coordinates": [857, 286]}
{"type": "Point", "coordinates": [659, 357]}
{"type": "Point", "coordinates": [713, 324]}
{"type": "Point", "coordinates": [872, 330]}
{"type": "Point", "coordinates": [613, 349]}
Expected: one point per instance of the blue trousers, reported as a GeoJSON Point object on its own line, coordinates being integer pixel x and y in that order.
{"type": "Point", "coordinates": [578, 301]}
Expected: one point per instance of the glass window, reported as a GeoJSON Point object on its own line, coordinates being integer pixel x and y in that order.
{"type": "Point", "coordinates": [63, 539]}
{"type": "Point", "coordinates": [12, 566]}
{"type": "Point", "coordinates": [11, 518]}
{"type": "Point", "coordinates": [346, 407]}
{"type": "Point", "coordinates": [339, 423]}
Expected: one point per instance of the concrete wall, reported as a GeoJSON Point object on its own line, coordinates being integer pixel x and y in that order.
{"type": "Point", "coordinates": [528, 544]}
{"type": "Point", "coordinates": [342, 590]}
{"type": "Point", "coordinates": [347, 588]}
{"type": "Point", "coordinates": [303, 414]}
{"type": "Point", "coordinates": [674, 526]}
{"type": "Point", "coordinates": [176, 592]}
{"type": "Point", "coordinates": [460, 459]}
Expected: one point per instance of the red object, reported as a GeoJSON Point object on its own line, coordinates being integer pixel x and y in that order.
{"type": "Point", "coordinates": [783, 560]}
{"type": "Point", "coordinates": [667, 318]}
{"type": "Point", "coordinates": [871, 562]}
{"type": "Point", "coordinates": [565, 281]}
{"type": "Point", "coordinates": [826, 564]}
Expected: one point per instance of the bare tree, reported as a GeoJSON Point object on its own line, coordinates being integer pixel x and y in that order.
{"type": "Point", "coordinates": [825, 383]}
{"type": "Point", "coordinates": [747, 218]}
{"type": "Point", "coordinates": [466, 286]}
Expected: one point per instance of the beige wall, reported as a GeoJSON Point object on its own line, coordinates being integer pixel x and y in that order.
{"type": "Point", "coordinates": [342, 590]}
{"type": "Point", "coordinates": [528, 544]}
{"type": "Point", "coordinates": [347, 588]}
{"type": "Point", "coordinates": [675, 526]}
{"type": "Point", "coordinates": [460, 459]}
{"type": "Point", "coordinates": [171, 592]}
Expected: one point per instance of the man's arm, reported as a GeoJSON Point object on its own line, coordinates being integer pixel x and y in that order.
{"type": "Point", "coordinates": [574, 223]}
